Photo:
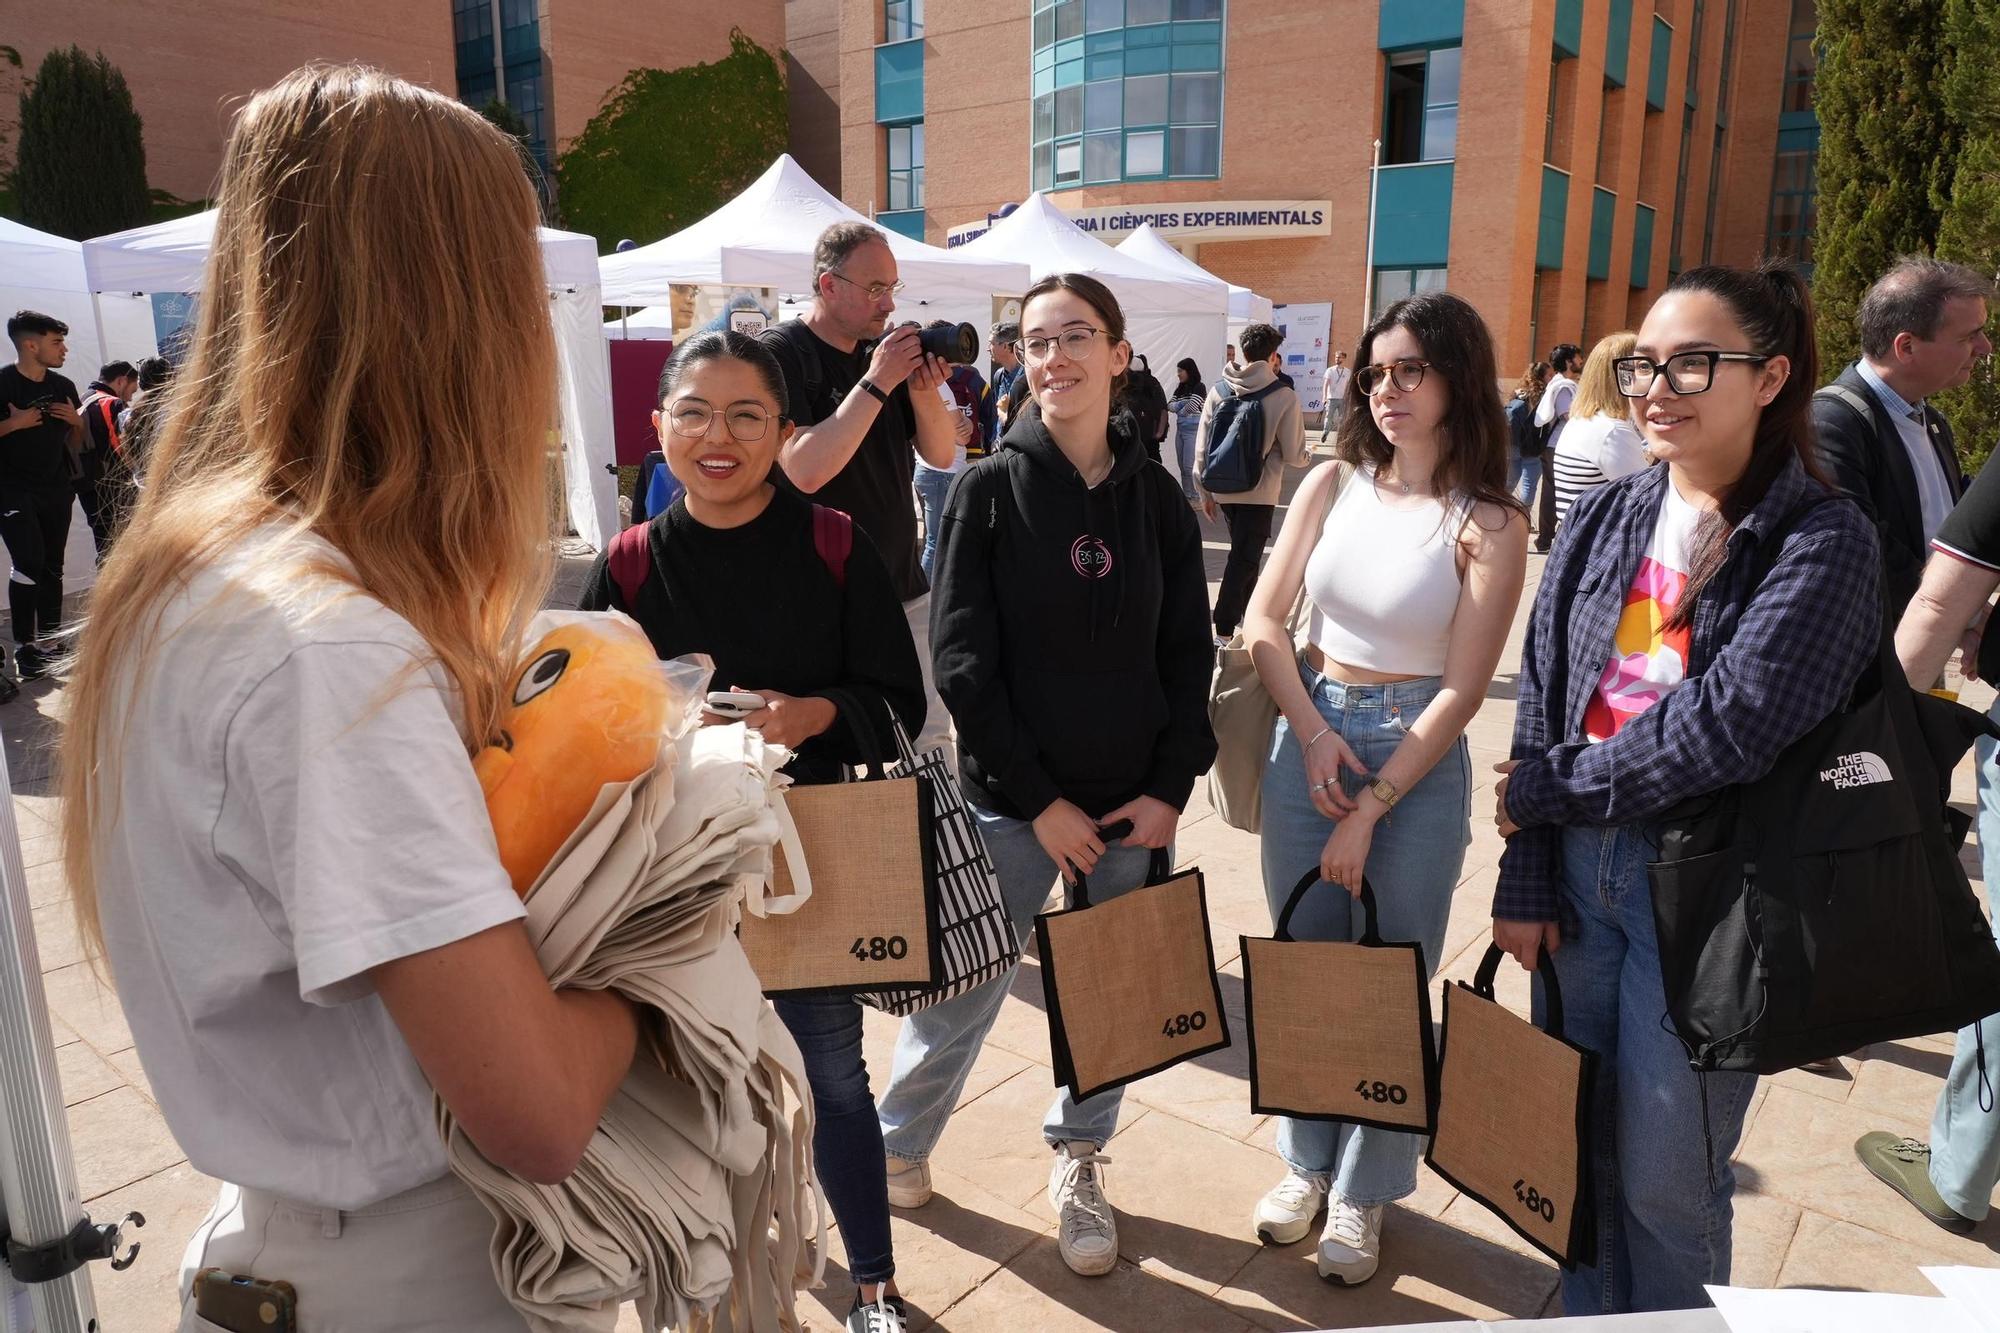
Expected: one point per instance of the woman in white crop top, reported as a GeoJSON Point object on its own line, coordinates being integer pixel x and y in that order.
{"type": "Point", "coordinates": [1412, 554]}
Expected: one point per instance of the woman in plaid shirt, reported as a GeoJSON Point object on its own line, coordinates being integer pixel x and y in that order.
{"type": "Point", "coordinates": [1659, 666]}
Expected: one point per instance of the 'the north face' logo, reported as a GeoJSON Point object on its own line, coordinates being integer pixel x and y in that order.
{"type": "Point", "coordinates": [1857, 770]}
{"type": "Point", "coordinates": [1090, 557]}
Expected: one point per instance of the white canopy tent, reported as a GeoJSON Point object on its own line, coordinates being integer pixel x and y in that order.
{"type": "Point", "coordinates": [764, 237]}
{"type": "Point", "coordinates": [1245, 306]}
{"type": "Point", "coordinates": [1169, 313]}
{"type": "Point", "coordinates": [652, 323]}
{"type": "Point", "coordinates": [171, 257]}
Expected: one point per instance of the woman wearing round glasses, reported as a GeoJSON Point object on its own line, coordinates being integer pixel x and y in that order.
{"type": "Point", "coordinates": [736, 574]}
{"type": "Point", "coordinates": [1693, 621]}
{"type": "Point", "coordinates": [1070, 626]}
{"type": "Point", "coordinates": [1412, 553]}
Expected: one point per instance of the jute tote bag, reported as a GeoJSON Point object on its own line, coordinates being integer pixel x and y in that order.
{"type": "Point", "coordinates": [1340, 1030]}
{"type": "Point", "coordinates": [1130, 984]}
{"type": "Point", "coordinates": [872, 918]}
{"type": "Point", "coordinates": [1514, 1115]}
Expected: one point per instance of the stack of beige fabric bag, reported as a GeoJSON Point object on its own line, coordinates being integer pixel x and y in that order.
{"type": "Point", "coordinates": [695, 1199]}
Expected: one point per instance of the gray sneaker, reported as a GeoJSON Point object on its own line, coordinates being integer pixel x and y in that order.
{"type": "Point", "coordinates": [909, 1183]}
{"type": "Point", "coordinates": [1904, 1165]}
{"type": "Point", "coordinates": [1086, 1228]}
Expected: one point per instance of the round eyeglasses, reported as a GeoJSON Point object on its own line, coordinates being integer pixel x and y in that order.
{"type": "Point", "coordinates": [1687, 372]}
{"type": "Point", "coordinates": [746, 423]}
{"type": "Point", "coordinates": [1406, 375]}
{"type": "Point", "coordinates": [1075, 344]}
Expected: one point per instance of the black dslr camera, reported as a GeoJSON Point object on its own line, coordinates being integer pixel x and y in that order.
{"type": "Point", "coordinates": [956, 346]}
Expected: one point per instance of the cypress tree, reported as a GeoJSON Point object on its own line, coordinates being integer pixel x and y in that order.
{"type": "Point", "coordinates": [1888, 150]}
{"type": "Point", "coordinates": [80, 170]}
{"type": "Point", "coordinates": [1970, 229]}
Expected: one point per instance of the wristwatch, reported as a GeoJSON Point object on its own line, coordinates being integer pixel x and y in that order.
{"type": "Point", "coordinates": [1385, 792]}
{"type": "Point", "coordinates": [873, 392]}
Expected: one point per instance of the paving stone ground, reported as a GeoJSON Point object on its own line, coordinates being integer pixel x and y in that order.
{"type": "Point", "coordinates": [1188, 1162]}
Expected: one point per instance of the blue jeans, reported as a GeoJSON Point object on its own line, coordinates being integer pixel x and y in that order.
{"type": "Point", "coordinates": [1186, 426]}
{"type": "Point", "coordinates": [1414, 863]}
{"type": "Point", "coordinates": [1662, 1228]}
{"type": "Point", "coordinates": [935, 1051]}
{"type": "Point", "coordinates": [932, 487]}
{"type": "Point", "coordinates": [1965, 1137]}
{"type": "Point", "coordinates": [847, 1141]}
{"type": "Point", "coordinates": [1523, 475]}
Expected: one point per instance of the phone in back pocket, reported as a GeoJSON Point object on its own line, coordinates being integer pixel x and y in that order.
{"type": "Point", "coordinates": [245, 1304]}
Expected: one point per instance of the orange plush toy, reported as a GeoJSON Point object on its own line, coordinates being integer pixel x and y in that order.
{"type": "Point", "coordinates": [589, 708]}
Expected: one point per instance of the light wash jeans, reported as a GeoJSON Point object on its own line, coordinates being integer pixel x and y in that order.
{"type": "Point", "coordinates": [936, 734]}
{"type": "Point", "coordinates": [937, 1046]}
{"type": "Point", "coordinates": [1187, 425]}
{"type": "Point", "coordinates": [1414, 863]}
{"type": "Point", "coordinates": [1523, 474]}
{"type": "Point", "coordinates": [1662, 1230]}
{"type": "Point", "coordinates": [932, 487]}
{"type": "Point", "coordinates": [1965, 1136]}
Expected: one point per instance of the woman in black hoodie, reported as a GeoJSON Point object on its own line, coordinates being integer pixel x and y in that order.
{"type": "Point", "coordinates": [1069, 623]}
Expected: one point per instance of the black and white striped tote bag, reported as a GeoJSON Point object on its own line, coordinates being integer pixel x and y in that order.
{"type": "Point", "coordinates": [976, 943]}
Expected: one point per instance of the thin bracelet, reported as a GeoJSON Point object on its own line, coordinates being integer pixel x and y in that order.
{"type": "Point", "coordinates": [1324, 733]}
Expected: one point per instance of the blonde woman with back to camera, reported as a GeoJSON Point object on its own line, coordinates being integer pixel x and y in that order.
{"type": "Point", "coordinates": [1600, 444]}
{"type": "Point", "coordinates": [273, 833]}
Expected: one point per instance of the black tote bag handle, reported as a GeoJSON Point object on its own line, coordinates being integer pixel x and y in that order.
{"type": "Point", "coordinates": [1371, 924]}
{"type": "Point", "coordinates": [1489, 968]}
{"type": "Point", "coordinates": [861, 726]}
{"type": "Point", "coordinates": [1159, 869]}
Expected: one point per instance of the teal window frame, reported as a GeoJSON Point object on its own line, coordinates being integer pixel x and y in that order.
{"type": "Point", "coordinates": [1413, 215]}
{"type": "Point", "coordinates": [908, 222]}
{"type": "Point", "coordinates": [899, 82]}
{"type": "Point", "coordinates": [1553, 218]}
{"type": "Point", "coordinates": [1794, 208]}
{"type": "Point", "coordinates": [1569, 27]}
{"type": "Point", "coordinates": [1659, 64]}
{"type": "Point", "coordinates": [1618, 43]}
{"type": "Point", "coordinates": [902, 20]}
{"type": "Point", "coordinates": [1436, 106]}
{"type": "Point", "coordinates": [1179, 45]}
{"type": "Point", "coordinates": [1416, 25]}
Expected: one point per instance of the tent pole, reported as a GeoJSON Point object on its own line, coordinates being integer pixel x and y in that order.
{"type": "Point", "coordinates": [97, 317]}
{"type": "Point", "coordinates": [1368, 278]}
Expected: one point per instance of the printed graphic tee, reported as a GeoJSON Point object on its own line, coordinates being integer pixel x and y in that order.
{"type": "Point", "coordinates": [1648, 660]}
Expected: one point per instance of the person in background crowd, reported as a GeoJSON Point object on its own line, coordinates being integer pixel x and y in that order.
{"type": "Point", "coordinates": [963, 390]}
{"type": "Point", "coordinates": [1249, 514]}
{"type": "Point", "coordinates": [1190, 396]}
{"type": "Point", "coordinates": [1951, 1179]}
{"type": "Point", "coordinates": [1072, 646]}
{"type": "Point", "coordinates": [1229, 357]}
{"type": "Point", "coordinates": [272, 831]}
{"type": "Point", "coordinates": [1600, 444]}
{"type": "Point", "coordinates": [1694, 621]}
{"type": "Point", "coordinates": [1008, 389]}
{"type": "Point", "coordinates": [103, 483]}
{"type": "Point", "coordinates": [735, 574]}
{"type": "Point", "coordinates": [142, 417]}
{"type": "Point", "coordinates": [862, 402]}
{"type": "Point", "coordinates": [1524, 441]}
{"type": "Point", "coordinates": [1551, 415]}
{"type": "Point", "coordinates": [1333, 394]}
{"type": "Point", "coordinates": [1414, 573]}
{"type": "Point", "coordinates": [1923, 328]}
{"type": "Point", "coordinates": [42, 434]}
{"type": "Point", "coordinates": [1146, 399]}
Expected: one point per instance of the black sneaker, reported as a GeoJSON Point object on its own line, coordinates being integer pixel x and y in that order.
{"type": "Point", "coordinates": [885, 1315]}
{"type": "Point", "coordinates": [31, 662]}
{"type": "Point", "coordinates": [9, 691]}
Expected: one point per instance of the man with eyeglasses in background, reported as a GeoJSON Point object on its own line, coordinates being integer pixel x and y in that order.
{"type": "Point", "coordinates": [866, 405]}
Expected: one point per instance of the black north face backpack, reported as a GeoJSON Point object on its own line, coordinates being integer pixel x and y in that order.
{"type": "Point", "coordinates": [1823, 907]}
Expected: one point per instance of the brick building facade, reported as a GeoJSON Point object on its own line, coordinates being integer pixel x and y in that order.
{"type": "Point", "coordinates": [1554, 161]}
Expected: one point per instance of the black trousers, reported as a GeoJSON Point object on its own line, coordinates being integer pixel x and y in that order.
{"type": "Point", "coordinates": [35, 526]}
{"type": "Point", "coordinates": [105, 491]}
{"type": "Point", "coordinates": [1249, 530]}
{"type": "Point", "coordinates": [1545, 503]}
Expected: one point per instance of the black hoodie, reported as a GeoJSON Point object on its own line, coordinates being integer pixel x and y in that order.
{"type": "Point", "coordinates": [1070, 629]}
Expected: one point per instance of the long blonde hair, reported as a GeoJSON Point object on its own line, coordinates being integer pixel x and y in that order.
{"type": "Point", "coordinates": [1597, 386]}
{"type": "Point", "coordinates": [373, 365]}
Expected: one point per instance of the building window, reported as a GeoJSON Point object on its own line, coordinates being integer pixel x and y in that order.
{"type": "Point", "coordinates": [1420, 107]}
{"type": "Point", "coordinates": [1800, 62]}
{"type": "Point", "coordinates": [902, 20]}
{"type": "Point", "coordinates": [1681, 193]}
{"type": "Point", "coordinates": [1793, 189]}
{"type": "Point", "coordinates": [1393, 284]}
{"type": "Point", "coordinates": [906, 166]}
{"type": "Point", "coordinates": [1125, 90]}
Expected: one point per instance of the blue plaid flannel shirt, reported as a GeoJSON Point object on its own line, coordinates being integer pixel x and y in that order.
{"type": "Point", "coordinates": [1768, 661]}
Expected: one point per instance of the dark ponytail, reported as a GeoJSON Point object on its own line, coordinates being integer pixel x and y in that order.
{"type": "Point", "coordinates": [1773, 306]}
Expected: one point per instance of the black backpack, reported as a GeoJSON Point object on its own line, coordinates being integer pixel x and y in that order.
{"type": "Point", "coordinates": [1522, 432]}
{"type": "Point", "coordinates": [1235, 459]}
{"type": "Point", "coordinates": [1823, 906]}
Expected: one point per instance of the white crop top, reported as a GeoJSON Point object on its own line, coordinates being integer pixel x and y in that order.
{"type": "Point", "coordinates": [1384, 582]}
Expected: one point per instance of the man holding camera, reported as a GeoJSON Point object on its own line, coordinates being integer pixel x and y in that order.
{"type": "Point", "coordinates": [41, 434]}
{"type": "Point", "coordinates": [861, 405]}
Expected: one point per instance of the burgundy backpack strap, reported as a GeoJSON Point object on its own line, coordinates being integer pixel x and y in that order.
{"type": "Point", "coordinates": [833, 538]}
{"type": "Point", "coordinates": [630, 561]}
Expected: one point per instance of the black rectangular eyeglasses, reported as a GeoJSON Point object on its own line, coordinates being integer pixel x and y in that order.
{"type": "Point", "coordinates": [1686, 372]}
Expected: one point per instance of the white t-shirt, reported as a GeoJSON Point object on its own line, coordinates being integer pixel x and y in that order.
{"type": "Point", "coordinates": [1335, 385]}
{"type": "Point", "coordinates": [295, 807]}
{"type": "Point", "coordinates": [1648, 660]}
{"type": "Point", "coordinates": [1592, 451]}
{"type": "Point", "coordinates": [1554, 407]}
{"type": "Point", "coordinates": [959, 456]}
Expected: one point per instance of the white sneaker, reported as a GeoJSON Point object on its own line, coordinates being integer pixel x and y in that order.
{"type": "Point", "coordinates": [909, 1183]}
{"type": "Point", "coordinates": [1285, 1214]}
{"type": "Point", "coordinates": [1086, 1230]}
{"type": "Point", "coordinates": [1350, 1247]}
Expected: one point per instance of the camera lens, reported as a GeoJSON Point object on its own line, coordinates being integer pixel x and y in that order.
{"type": "Point", "coordinates": [958, 346]}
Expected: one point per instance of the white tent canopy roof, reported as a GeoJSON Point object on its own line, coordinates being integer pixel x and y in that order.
{"type": "Point", "coordinates": [39, 261]}
{"type": "Point", "coordinates": [1044, 238]}
{"type": "Point", "coordinates": [1148, 245]}
{"type": "Point", "coordinates": [170, 257]}
{"type": "Point", "coordinates": [764, 237]}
